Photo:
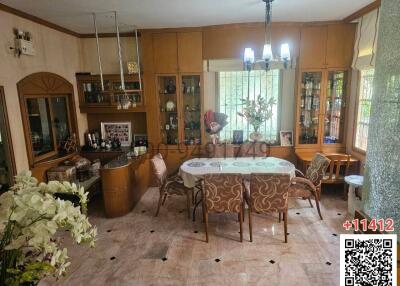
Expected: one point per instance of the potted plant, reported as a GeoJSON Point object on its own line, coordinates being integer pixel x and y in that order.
{"type": "Point", "coordinates": [257, 112]}
{"type": "Point", "coordinates": [30, 218]}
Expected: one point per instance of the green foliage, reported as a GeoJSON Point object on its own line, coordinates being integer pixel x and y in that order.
{"type": "Point", "coordinates": [257, 111]}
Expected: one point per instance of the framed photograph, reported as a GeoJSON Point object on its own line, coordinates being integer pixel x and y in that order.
{"type": "Point", "coordinates": [120, 130]}
{"type": "Point", "coordinates": [140, 140]}
{"type": "Point", "coordinates": [237, 137]}
{"type": "Point", "coordinates": [286, 138]}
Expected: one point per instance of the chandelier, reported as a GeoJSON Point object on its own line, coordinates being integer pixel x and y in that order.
{"type": "Point", "coordinates": [267, 55]}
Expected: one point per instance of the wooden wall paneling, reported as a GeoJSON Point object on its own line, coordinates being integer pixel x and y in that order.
{"type": "Point", "coordinates": [340, 45]}
{"type": "Point", "coordinates": [313, 47]}
{"type": "Point", "coordinates": [190, 51]}
{"type": "Point", "coordinates": [165, 52]}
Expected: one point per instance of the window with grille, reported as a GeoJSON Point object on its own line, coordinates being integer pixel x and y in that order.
{"type": "Point", "coordinates": [364, 108]}
{"type": "Point", "coordinates": [233, 86]}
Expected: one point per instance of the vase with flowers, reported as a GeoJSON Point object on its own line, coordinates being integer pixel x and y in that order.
{"type": "Point", "coordinates": [31, 216]}
{"type": "Point", "coordinates": [256, 113]}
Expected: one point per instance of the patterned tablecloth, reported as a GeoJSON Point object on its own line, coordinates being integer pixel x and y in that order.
{"type": "Point", "coordinates": [194, 169]}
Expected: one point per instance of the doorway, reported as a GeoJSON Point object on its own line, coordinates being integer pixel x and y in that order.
{"type": "Point", "coordinates": [7, 162]}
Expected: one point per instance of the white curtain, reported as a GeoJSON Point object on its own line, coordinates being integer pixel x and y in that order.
{"type": "Point", "coordinates": [366, 40]}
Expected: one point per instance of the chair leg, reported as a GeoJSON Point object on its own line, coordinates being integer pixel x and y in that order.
{"type": "Point", "coordinates": [345, 192]}
{"type": "Point", "coordinates": [165, 197]}
{"type": "Point", "coordinates": [285, 215]}
{"type": "Point", "coordinates": [309, 200]}
{"type": "Point", "coordinates": [244, 209]}
{"type": "Point", "coordinates": [206, 223]}
{"type": "Point", "coordinates": [317, 203]}
{"type": "Point", "coordinates": [160, 202]}
{"type": "Point", "coordinates": [241, 224]}
{"type": "Point", "coordinates": [280, 217]}
{"type": "Point", "coordinates": [250, 225]}
{"type": "Point", "coordinates": [188, 204]}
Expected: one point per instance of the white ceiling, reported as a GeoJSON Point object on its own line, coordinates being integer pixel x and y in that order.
{"type": "Point", "coordinates": [75, 14]}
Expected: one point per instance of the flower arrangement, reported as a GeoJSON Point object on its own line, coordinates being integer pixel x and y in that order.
{"type": "Point", "coordinates": [257, 111]}
{"type": "Point", "coordinates": [30, 216]}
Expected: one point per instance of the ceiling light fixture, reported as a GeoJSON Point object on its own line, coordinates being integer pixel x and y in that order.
{"type": "Point", "coordinates": [267, 55]}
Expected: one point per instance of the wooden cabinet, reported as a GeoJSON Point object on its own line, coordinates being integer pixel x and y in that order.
{"type": "Point", "coordinates": [180, 108]}
{"type": "Point", "coordinates": [165, 49]}
{"type": "Point", "coordinates": [93, 100]}
{"type": "Point", "coordinates": [190, 52]}
{"type": "Point", "coordinates": [313, 47]}
{"type": "Point", "coordinates": [327, 46]}
{"type": "Point", "coordinates": [321, 109]}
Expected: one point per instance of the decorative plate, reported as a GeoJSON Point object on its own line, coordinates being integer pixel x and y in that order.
{"type": "Point", "coordinates": [241, 164]}
{"type": "Point", "coordinates": [218, 164]}
{"type": "Point", "coordinates": [170, 105]}
{"type": "Point", "coordinates": [196, 164]}
{"type": "Point", "coordinates": [285, 164]}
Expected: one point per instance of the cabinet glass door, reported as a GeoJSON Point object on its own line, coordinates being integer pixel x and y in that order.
{"type": "Point", "coordinates": [310, 96]}
{"type": "Point", "coordinates": [191, 93]}
{"type": "Point", "coordinates": [335, 107]}
{"type": "Point", "coordinates": [168, 107]}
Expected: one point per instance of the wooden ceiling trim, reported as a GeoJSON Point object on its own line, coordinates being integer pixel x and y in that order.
{"type": "Point", "coordinates": [365, 10]}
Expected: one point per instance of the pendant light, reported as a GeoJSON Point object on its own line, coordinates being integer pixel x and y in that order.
{"type": "Point", "coordinates": [267, 55]}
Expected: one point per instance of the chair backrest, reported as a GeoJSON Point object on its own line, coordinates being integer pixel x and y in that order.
{"type": "Point", "coordinates": [269, 192]}
{"type": "Point", "coordinates": [338, 162]}
{"type": "Point", "coordinates": [222, 150]}
{"type": "Point", "coordinates": [159, 169]}
{"type": "Point", "coordinates": [254, 149]}
{"type": "Point", "coordinates": [223, 192]}
{"type": "Point", "coordinates": [317, 168]}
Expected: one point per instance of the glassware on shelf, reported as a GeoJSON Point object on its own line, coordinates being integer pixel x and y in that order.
{"type": "Point", "coordinates": [168, 99]}
{"type": "Point", "coordinates": [310, 107]}
{"type": "Point", "coordinates": [191, 91]}
{"type": "Point", "coordinates": [335, 107]}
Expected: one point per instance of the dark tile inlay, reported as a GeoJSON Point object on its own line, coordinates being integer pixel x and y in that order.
{"type": "Point", "coordinates": [195, 231]}
{"type": "Point", "coordinates": [217, 260]}
{"type": "Point", "coordinates": [143, 211]}
{"type": "Point", "coordinates": [298, 213]}
{"type": "Point", "coordinates": [164, 259]}
{"type": "Point", "coordinates": [334, 234]}
{"type": "Point", "coordinates": [112, 258]}
{"type": "Point", "coordinates": [181, 211]}
{"type": "Point", "coordinates": [272, 261]}
{"type": "Point", "coordinates": [287, 233]}
{"type": "Point", "coordinates": [328, 263]}
{"type": "Point", "coordinates": [151, 231]}
{"type": "Point", "coordinates": [108, 230]}
{"type": "Point", "coordinates": [339, 214]}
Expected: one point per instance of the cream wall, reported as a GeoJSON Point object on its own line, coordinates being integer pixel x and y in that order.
{"type": "Point", "coordinates": [109, 54]}
{"type": "Point", "coordinates": [56, 52]}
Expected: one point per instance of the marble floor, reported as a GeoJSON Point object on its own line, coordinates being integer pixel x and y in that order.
{"type": "Point", "coordinates": [140, 249]}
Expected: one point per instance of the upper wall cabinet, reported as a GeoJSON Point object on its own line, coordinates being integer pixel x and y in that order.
{"type": "Point", "coordinates": [165, 52]}
{"type": "Point", "coordinates": [328, 46]}
{"type": "Point", "coordinates": [340, 45]}
{"type": "Point", "coordinates": [190, 52]}
{"type": "Point", "coordinates": [313, 47]}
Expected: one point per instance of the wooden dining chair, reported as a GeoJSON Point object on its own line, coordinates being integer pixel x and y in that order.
{"type": "Point", "coordinates": [223, 193]}
{"type": "Point", "coordinates": [254, 149]}
{"type": "Point", "coordinates": [222, 150]}
{"type": "Point", "coordinates": [309, 185]}
{"type": "Point", "coordinates": [168, 185]}
{"type": "Point", "coordinates": [268, 193]}
{"type": "Point", "coordinates": [337, 170]}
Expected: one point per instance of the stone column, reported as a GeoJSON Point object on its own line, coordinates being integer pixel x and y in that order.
{"type": "Point", "coordinates": [381, 191]}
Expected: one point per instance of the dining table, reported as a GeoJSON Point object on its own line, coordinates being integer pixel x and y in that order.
{"type": "Point", "coordinates": [193, 171]}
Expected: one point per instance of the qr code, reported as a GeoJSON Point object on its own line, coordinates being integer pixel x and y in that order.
{"type": "Point", "coordinates": [368, 260]}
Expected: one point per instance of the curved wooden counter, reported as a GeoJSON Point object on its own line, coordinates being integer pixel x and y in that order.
{"type": "Point", "coordinates": [124, 181]}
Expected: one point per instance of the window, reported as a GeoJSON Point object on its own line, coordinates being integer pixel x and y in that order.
{"type": "Point", "coordinates": [364, 108]}
{"type": "Point", "coordinates": [233, 87]}
{"type": "Point", "coordinates": [47, 108]}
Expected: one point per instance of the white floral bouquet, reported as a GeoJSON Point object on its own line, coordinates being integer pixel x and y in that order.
{"type": "Point", "coordinates": [30, 216]}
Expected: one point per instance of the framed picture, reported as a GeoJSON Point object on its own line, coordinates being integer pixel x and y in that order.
{"type": "Point", "coordinates": [237, 137]}
{"type": "Point", "coordinates": [120, 130]}
{"type": "Point", "coordinates": [140, 140]}
{"type": "Point", "coordinates": [286, 138]}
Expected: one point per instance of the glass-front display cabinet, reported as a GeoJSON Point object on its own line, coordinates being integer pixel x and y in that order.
{"type": "Point", "coordinates": [335, 104]}
{"type": "Point", "coordinates": [180, 109]}
{"type": "Point", "coordinates": [168, 109]}
{"type": "Point", "coordinates": [310, 99]}
{"type": "Point", "coordinates": [321, 107]}
{"type": "Point", "coordinates": [191, 109]}
{"type": "Point", "coordinates": [91, 95]}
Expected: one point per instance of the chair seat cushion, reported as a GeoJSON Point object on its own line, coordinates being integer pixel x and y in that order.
{"type": "Point", "coordinates": [176, 188]}
{"type": "Point", "coordinates": [299, 190]}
